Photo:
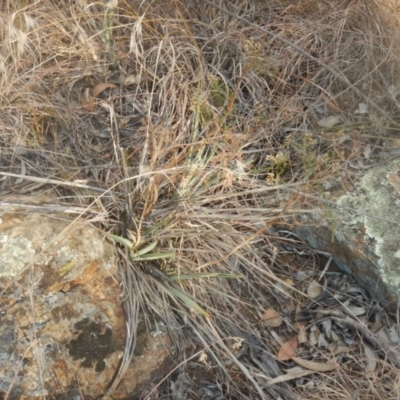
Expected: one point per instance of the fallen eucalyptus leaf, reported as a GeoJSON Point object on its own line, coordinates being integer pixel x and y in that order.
{"type": "Point", "coordinates": [394, 335]}
{"type": "Point", "coordinates": [271, 318]}
{"type": "Point", "coordinates": [288, 348]}
{"type": "Point", "coordinates": [316, 366]}
{"type": "Point", "coordinates": [314, 289]}
{"type": "Point", "coordinates": [100, 87]}
{"type": "Point", "coordinates": [356, 311]}
{"type": "Point", "coordinates": [88, 102]}
{"type": "Point", "coordinates": [371, 361]}
{"type": "Point", "coordinates": [302, 334]}
{"type": "Point", "coordinates": [289, 376]}
{"type": "Point", "coordinates": [338, 348]}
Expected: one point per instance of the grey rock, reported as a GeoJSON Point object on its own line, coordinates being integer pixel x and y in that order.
{"type": "Point", "coordinates": [361, 229]}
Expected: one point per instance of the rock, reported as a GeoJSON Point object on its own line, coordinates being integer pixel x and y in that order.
{"type": "Point", "coordinates": [361, 229]}
{"type": "Point", "coordinates": [62, 330]}
{"type": "Point", "coordinates": [329, 122]}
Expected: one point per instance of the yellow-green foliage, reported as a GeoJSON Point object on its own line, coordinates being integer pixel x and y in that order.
{"type": "Point", "coordinates": [264, 66]}
{"type": "Point", "coordinates": [279, 165]}
{"type": "Point", "coordinates": [312, 160]}
{"type": "Point", "coordinates": [219, 95]}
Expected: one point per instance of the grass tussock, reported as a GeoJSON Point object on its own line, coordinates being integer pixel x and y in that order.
{"type": "Point", "coordinates": [192, 125]}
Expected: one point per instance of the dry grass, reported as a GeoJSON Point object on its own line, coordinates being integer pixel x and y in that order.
{"type": "Point", "coordinates": [210, 120]}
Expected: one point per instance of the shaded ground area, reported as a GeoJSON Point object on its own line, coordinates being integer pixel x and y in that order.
{"type": "Point", "coordinates": [188, 133]}
{"type": "Point", "coordinates": [321, 333]}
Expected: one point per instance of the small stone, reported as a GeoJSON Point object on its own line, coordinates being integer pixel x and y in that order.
{"type": "Point", "coordinates": [18, 146]}
{"type": "Point", "coordinates": [329, 122]}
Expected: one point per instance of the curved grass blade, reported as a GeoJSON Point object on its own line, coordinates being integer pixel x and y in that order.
{"type": "Point", "coordinates": [146, 249]}
{"type": "Point", "coordinates": [173, 292]}
{"type": "Point", "coordinates": [151, 256]}
{"type": "Point", "coordinates": [125, 242]}
{"type": "Point", "coordinates": [203, 276]}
